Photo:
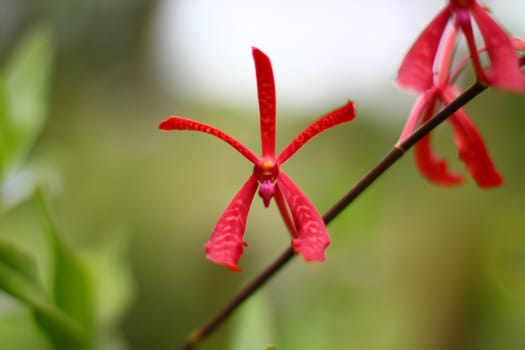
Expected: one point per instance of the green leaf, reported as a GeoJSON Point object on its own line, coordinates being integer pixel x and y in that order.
{"type": "Point", "coordinates": [61, 330]}
{"type": "Point", "coordinates": [72, 285]}
{"type": "Point", "coordinates": [27, 78]}
{"type": "Point", "coordinates": [23, 104]}
{"type": "Point", "coordinates": [5, 128]}
{"type": "Point", "coordinates": [18, 275]}
{"type": "Point", "coordinates": [73, 289]}
{"type": "Point", "coordinates": [18, 278]}
{"type": "Point", "coordinates": [114, 283]}
{"type": "Point", "coordinates": [253, 327]}
{"type": "Point", "coordinates": [17, 327]}
{"type": "Point", "coordinates": [113, 288]}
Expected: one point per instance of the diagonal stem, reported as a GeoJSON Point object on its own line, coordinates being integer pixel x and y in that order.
{"type": "Point", "coordinates": [397, 151]}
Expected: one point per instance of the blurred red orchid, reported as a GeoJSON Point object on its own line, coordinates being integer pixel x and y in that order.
{"type": "Point", "coordinates": [470, 145]}
{"type": "Point", "coordinates": [309, 234]}
{"type": "Point", "coordinates": [416, 71]}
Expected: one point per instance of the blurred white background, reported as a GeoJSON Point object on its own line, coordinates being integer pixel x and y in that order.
{"type": "Point", "coordinates": [323, 54]}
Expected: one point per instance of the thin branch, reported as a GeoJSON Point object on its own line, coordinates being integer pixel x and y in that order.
{"type": "Point", "coordinates": [397, 151]}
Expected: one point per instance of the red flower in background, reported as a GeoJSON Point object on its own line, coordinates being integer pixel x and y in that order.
{"type": "Point", "coordinates": [309, 234]}
{"type": "Point", "coordinates": [416, 71]}
{"type": "Point", "coordinates": [470, 145]}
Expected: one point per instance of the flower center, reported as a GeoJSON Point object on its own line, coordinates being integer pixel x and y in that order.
{"type": "Point", "coordinates": [266, 172]}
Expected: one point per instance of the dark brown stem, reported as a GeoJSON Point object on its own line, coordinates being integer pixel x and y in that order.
{"type": "Point", "coordinates": [390, 158]}
{"type": "Point", "coordinates": [254, 285]}
{"type": "Point", "coordinates": [400, 148]}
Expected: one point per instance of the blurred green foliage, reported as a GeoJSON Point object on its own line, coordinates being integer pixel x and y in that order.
{"type": "Point", "coordinates": [254, 326]}
{"type": "Point", "coordinates": [24, 93]}
{"type": "Point", "coordinates": [411, 266]}
{"type": "Point", "coordinates": [40, 271]}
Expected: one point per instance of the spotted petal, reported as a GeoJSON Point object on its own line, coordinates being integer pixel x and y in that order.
{"type": "Point", "coordinates": [312, 237]}
{"type": "Point", "coordinates": [180, 123]}
{"type": "Point", "coordinates": [226, 243]}
{"type": "Point", "coordinates": [341, 115]}
{"type": "Point", "coordinates": [267, 101]}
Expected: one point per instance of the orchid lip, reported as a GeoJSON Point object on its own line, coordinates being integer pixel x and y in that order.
{"type": "Point", "coordinates": [266, 192]}
{"type": "Point", "coordinates": [266, 172]}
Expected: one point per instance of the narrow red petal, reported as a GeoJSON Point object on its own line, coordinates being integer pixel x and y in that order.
{"type": "Point", "coordinates": [266, 94]}
{"type": "Point", "coordinates": [180, 123]}
{"type": "Point", "coordinates": [416, 71]}
{"type": "Point", "coordinates": [312, 236]}
{"type": "Point", "coordinates": [423, 103]}
{"type": "Point", "coordinates": [472, 150]}
{"type": "Point", "coordinates": [433, 168]}
{"type": "Point", "coordinates": [284, 211]}
{"type": "Point", "coordinates": [463, 21]}
{"type": "Point", "coordinates": [505, 72]}
{"type": "Point", "coordinates": [443, 64]}
{"type": "Point", "coordinates": [226, 243]}
{"type": "Point", "coordinates": [341, 115]}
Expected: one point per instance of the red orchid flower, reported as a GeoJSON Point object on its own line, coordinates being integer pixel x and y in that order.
{"type": "Point", "coordinates": [309, 234]}
{"type": "Point", "coordinates": [504, 72]}
{"type": "Point", "coordinates": [470, 145]}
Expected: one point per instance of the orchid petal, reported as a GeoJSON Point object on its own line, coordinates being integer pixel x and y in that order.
{"type": "Point", "coordinates": [180, 123]}
{"type": "Point", "coordinates": [226, 243]}
{"type": "Point", "coordinates": [267, 101]}
{"type": "Point", "coordinates": [443, 64]}
{"type": "Point", "coordinates": [341, 115]}
{"type": "Point", "coordinates": [312, 236]}
{"type": "Point", "coordinates": [433, 168]}
{"type": "Point", "coordinates": [285, 212]}
{"type": "Point", "coordinates": [471, 149]}
{"type": "Point", "coordinates": [517, 44]}
{"type": "Point", "coordinates": [416, 71]}
{"type": "Point", "coordinates": [505, 72]}
{"type": "Point", "coordinates": [473, 152]}
{"type": "Point", "coordinates": [422, 103]}
{"type": "Point", "coordinates": [463, 21]}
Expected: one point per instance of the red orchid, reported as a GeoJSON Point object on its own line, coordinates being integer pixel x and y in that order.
{"type": "Point", "coordinates": [309, 234]}
{"type": "Point", "coordinates": [504, 71]}
{"type": "Point", "coordinates": [468, 140]}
